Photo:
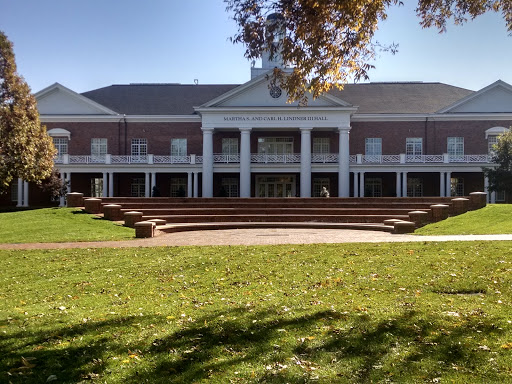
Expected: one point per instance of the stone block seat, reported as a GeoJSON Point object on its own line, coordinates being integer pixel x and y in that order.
{"type": "Point", "coordinates": [184, 214]}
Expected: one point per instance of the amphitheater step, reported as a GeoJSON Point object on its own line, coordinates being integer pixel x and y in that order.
{"type": "Point", "coordinates": [276, 218]}
{"type": "Point", "coordinates": [184, 227]}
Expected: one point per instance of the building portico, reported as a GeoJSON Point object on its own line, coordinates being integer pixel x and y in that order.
{"type": "Point", "coordinates": [267, 116]}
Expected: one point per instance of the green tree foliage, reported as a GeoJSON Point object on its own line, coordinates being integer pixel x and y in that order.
{"type": "Point", "coordinates": [329, 42]}
{"type": "Point", "coordinates": [500, 177]}
{"type": "Point", "coordinates": [54, 185]}
{"type": "Point", "coordinates": [26, 150]}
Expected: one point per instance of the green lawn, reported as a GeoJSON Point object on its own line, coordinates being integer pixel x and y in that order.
{"type": "Point", "coordinates": [492, 219]}
{"type": "Point", "coordinates": [352, 313]}
{"type": "Point", "coordinates": [50, 225]}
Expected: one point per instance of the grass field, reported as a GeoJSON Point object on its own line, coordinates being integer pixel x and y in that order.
{"type": "Point", "coordinates": [354, 313]}
{"type": "Point", "coordinates": [49, 225]}
{"type": "Point", "coordinates": [492, 219]}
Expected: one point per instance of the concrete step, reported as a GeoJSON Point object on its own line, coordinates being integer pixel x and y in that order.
{"type": "Point", "coordinates": [276, 218]}
{"type": "Point", "coordinates": [312, 212]}
{"type": "Point", "coordinates": [183, 227]}
{"type": "Point", "coordinates": [131, 202]}
{"type": "Point", "coordinates": [401, 205]}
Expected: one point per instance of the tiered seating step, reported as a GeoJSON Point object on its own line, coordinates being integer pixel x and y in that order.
{"type": "Point", "coordinates": [182, 214]}
{"type": "Point", "coordinates": [181, 227]}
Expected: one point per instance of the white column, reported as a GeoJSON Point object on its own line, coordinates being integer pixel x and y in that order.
{"type": "Point", "coordinates": [356, 184]}
{"type": "Point", "coordinates": [493, 197]}
{"type": "Point", "coordinates": [398, 184]}
{"type": "Point", "coordinates": [207, 161]}
{"type": "Point", "coordinates": [20, 193]}
{"type": "Point", "coordinates": [189, 184]}
{"type": "Point", "coordinates": [343, 162]}
{"type": "Point", "coordinates": [196, 186]}
{"type": "Point", "coordinates": [25, 193]}
{"type": "Point", "coordinates": [245, 162]}
{"type": "Point", "coordinates": [361, 184]}
{"type": "Point", "coordinates": [147, 192]}
{"type": "Point", "coordinates": [305, 162]}
{"type": "Point", "coordinates": [105, 184]}
{"type": "Point", "coordinates": [153, 181]}
{"type": "Point", "coordinates": [486, 188]}
{"type": "Point", "coordinates": [68, 181]}
{"type": "Point", "coordinates": [448, 184]}
{"type": "Point", "coordinates": [111, 184]}
{"type": "Point", "coordinates": [62, 199]}
{"type": "Point", "coordinates": [404, 184]}
{"type": "Point", "coordinates": [442, 187]}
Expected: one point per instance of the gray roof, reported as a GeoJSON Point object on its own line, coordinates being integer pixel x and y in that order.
{"type": "Point", "coordinates": [388, 98]}
{"type": "Point", "coordinates": [156, 99]}
{"type": "Point", "coordinates": [178, 99]}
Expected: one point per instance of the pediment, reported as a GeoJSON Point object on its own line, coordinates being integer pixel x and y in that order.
{"type": "Point", "coordinates": [59, 100]}
{"type": "Point", "coordinates": [495, 98]}
{"type": "Point", "coordinates": [257, 93]}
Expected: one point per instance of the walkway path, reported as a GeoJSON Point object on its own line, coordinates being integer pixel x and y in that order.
{"type": "Point", "coordinates": [271, 236]}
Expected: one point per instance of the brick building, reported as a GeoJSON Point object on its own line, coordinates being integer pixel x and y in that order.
{"type": "Point", "coordinates": [375, 139]}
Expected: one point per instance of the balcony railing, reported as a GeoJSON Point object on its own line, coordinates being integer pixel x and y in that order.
{"type": "Point", "coordinates": [258, 158]}
{"type": "Point", "coordinates": [171, 159]}
{"type": "Point", "coordinates": [324, 158]}
{"type": "Point", "coordinates": [288, 158]}
{"type": "Point", "coordinates": [221, 158]}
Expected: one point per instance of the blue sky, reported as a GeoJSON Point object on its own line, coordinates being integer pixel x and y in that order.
{"type": "Point", "coordinates": [88, 44]}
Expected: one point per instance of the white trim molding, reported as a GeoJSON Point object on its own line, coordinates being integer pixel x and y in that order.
{"type": "Point", "coordinates": [495, 131]}
{"type": "Point", "coordinates": [59, 132]}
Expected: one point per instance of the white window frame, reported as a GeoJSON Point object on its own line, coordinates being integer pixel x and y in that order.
{"type": "Point", "coordinates": [321, 145]}
{"type": "Point", "coordinates": [373, 184]}
{"type": "Point", "coordinates": [318, 183]}
{"type": "Point", "coordinates": [176, 184]}
{"type": "Point", "coordinates": [455, 146]}
{"type": "Point", "coordinates": [414, 146]}
{"type": "Point", "coordinates": [178, 147]}
{"type": "Point", "coordinates": [414, 187]}
{"type": "Point", "coordinates": [14, 191]}
{"type": "Point", "coordinates": [230, 146]}
{"type": "Point", "coordinates": [138, 187]}
{"type": "Point", "coordinates": [373, 146]}
{"type": "Point", "coordinates": [99, 147]}
{"type": "Point", "coordinates": [139, 147]}
{"type": "Point", "coordinates": [275, 145]}
{"type": "Point", "coordinates": [230, 185]}
{"type": "Point", "coordinates": [96, 187]}
{"type": "Point", "coordinates": [457, 186]}
{"type": "Point", "coordinates": [492, 140]}
{"type": "Point", "coordinates": [61, 144]}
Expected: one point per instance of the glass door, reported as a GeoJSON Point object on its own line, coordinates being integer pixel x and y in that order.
{"type": "Point", "coordinates": [275, 186]}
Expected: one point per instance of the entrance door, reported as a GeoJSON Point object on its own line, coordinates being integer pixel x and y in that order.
{"type": "Point", "coordinates": [275, 186]}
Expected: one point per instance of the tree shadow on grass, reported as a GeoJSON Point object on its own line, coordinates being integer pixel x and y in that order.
{"type": "Point", "coordinates": [216, 345]}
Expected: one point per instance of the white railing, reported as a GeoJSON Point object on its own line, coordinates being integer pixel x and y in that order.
{"type": "Point", "coordinates": [85, 159]}
{"type": "Point", "coordinates": [126, 159]}
{"type": "Point", "coordinates": [290, 158]}
{"type": "Point", "coordinates": [424, 158]}
{"type": "Point", "coordinates": [171, 159]}
{"type": "Point", "coordinates": [324, 158]}
{"type": "Point", "coordinates": [221, 158]}
{"type": "Point", "coordinates": [469, 159]}
{"type": "Point", "coordinates": [381, 159]}
{"type": "Point", "coordinates": [283, 159]}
